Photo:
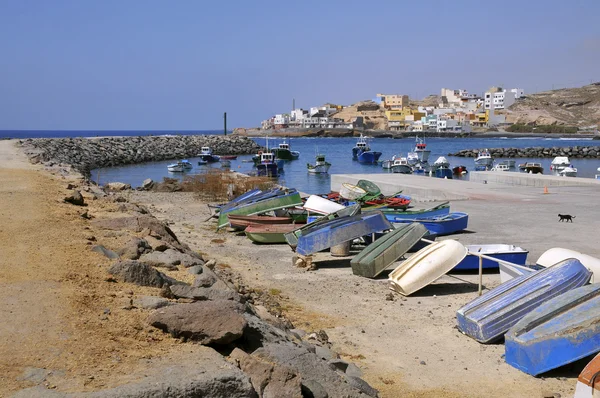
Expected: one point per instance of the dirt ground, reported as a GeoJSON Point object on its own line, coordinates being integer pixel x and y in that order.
{"type": "Point", "coordinates": [408, 347]}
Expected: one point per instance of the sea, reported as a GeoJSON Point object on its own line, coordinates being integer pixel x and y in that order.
{"type": "Point", "coordinates": [338, 152]}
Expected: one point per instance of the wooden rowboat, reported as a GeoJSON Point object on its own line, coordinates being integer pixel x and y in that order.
{"type": "Point", "coordinates": [558, 332]}
{"type": "Point", "coordinates": [269, 233]}
{"type": "Point", "coordinates": [426, 265]}
{"type": "Point", "coordinates": [384, 251]}
{"type": "Point", "coordinates": [241, 222]}
{"type": "Point", "coordinates": [588, 382]}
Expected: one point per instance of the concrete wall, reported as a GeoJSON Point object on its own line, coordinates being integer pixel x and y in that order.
{"type": "Point", "coordinates": [532, 180]}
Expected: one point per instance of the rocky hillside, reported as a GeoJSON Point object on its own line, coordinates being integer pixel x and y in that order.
{"type": "Point", "coordinates": [374, 116]}
{"type": "Point", "coordinates": [570, 106]}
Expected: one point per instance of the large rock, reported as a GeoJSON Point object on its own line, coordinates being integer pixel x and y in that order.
{"type": "Point", "coordinates": [151, 302]}
{"type": "Point", "coordinates": [134, 249]}
{"type": "Point", "coordinates": [140, 274]}
{"type": "Point", "coordinates": [139, 224]}
{"type": "Point", "coordinates": [202, 293]}
{"type": "Point", "coordinates": [117, 186]}
{"type": "Point", "coordinates": [208, 322]}
{"type": "Point", "coordinates": [168, 258]}
{"type": "Point", "coordinates": [147, 184]}
{"type": "Point", "coordinates": [75, 198]}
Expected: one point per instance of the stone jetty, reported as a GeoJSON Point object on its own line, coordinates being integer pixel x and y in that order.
{"type": "Point", "coordinates": [86, 154]}
{"type": "Point", "coordinates": [578, 152]}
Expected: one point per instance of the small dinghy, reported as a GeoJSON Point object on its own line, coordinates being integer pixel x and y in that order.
{"type": "Point", "coordinates": [510, 253]}
{"type": "Point", "coordinates": [442, 225]}
{"type": "Point", "coordinates": [557, 254]}
{"type": "Point", "coordinates": [558, 332]}
{"type": "Point", "coordinates": [272, 233]}
{"type": "Point", "coordinates": [384, 251]}
{"type": "Point", "coordinates": [588, 382]}
{"type": "Point", "coordinates": [488, 317]}
{"type": "Point", "coordinates": [320, 205]}
{"type": "Point", "coordinates": [241, 222]}
{"type": "Point", "coordinates": [426, 265]}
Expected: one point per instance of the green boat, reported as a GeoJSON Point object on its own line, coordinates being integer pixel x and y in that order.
{"type": "Point", "coordinates": [384, 251]}
{"type": "Point", "coordinates": [395, 215]}
{"type": "Point", "coordinates": [292, 237]}
{"type": "Point", "coordinates": [272, 203]}
{"type": "Point", "coordinates": [284, 152]}
{"type": "Point", "coordinates": [269, 234]}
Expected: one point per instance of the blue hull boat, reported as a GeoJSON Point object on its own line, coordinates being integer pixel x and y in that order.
{"type": "Point", "coordinates": [443, 173]}
{"type": "Point", "coordinates": [509, 253]}
{"type": "Point", "coordinates": [560, 331]}
{"type": "Point", "coordinates": [209, 158]}
{"type": "Point", "coordinates": [340, 230]}
{"type": "Point", "coordinates": [267, 170]}
{"type": "Point", "coordinates": [368, 157]}
{"type": "Point", "coordinates": [394, 215]}
{"type": "Point", "coordinates": [488, 317]}
{"type": "Point", "coordinates": [442, 225]}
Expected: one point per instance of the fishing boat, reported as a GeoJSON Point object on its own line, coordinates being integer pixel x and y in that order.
{"type": "Point", "coordinates": [340, 230]}
{"type": "Point", "coordinates": [351, 192]}
{"type": "Point", "coordinates": [387, 164]}
{"type": "Point", "coordinates": [292, 237]}
{"type": "Point", "coordinates": [421, 168]}
{"type": "Point", "coordinates": [484, 158]}
{"type": "Point", "coordinates": [363, 153]}
{"type": "Point", "coordinates": [558, 332]}
{"type": "Point", "coordinates": [395, 215]}
{"type": "Point", "coordinates": [441, 162]}
{"type": "Point", "coordinates": [321, 166]}
{"type": "Point", "coordinates": [421, 151]}
{"type": "Point", "coordinates": [441, 225]}
{"type": "Point", "coordinates": [228, 157]}
{"type": "Point", "coordinates": [559, 163]}
{"type": "Point", "coordinates": [459, 170]}
{"type": "Point", "coordinates": [587, 386]}
{"type": "Point", "coordinates": [272, 233]}
{"type": "Point", "coordinates": [568, 172]}
{"type": "Point", "coordinates": [180, 166]}
{"type": "Point", "coordinates": [284, 152]}
{"type": "Point", "coordinates": [510, 253]}
{"type": "Point", "coordinates": [207, 155]}
{"type": "Point", "coordinates": [317, 204]}
{"type": "Point", "coordinates": [426, 265]}
{"type": "Point", "coordinates": [260, 204]}
{"type": "Point", "coordinates": [241, 222]}
{"type": "Point", "coordinates": [508, 162]}
{"type": "Point", "coordinates": [489, 316]}
{"type": "Point", "coordinates": [558, 254]}
{"type": "Point", "coordinates": [443, 172]}
{"type": "Point", "coordinates": [500, 167]}
{"type": "Point", "coordinates": [381, 253]}
{"type": "Point", "coordinates": [533, 168]}
{"type": "Point", "coordinates": [267, 166]}
{"type": "Point", "coordinates": [400, 165]}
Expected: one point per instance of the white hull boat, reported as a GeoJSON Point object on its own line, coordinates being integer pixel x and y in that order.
{"type": "Point", "coordinates": [568, 172]}
{"type": "Point", "coordinates": [320, 167]}
{"type": "Point", "coordinates": [484, 158]}
{"type": "Point", "coordinates": [559, 163]}
{"type": "Point", "coordinates": [558, 254]}
{"type": "Point", "coordinates": [509, 271]}
{"type": "Point", "coordinates": [321, 205]}
{"type": "Point", "coordinates": [426, 265]}
{"type": "Point", "coordinates": [441, 162]}
{"type": "Point", "coordinates": [179, 167]}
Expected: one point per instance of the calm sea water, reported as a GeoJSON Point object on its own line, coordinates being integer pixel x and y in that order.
{"type": "Point", "coordinates": [338, 153]}
{"type": "Point", "coordinates": [22, 134]}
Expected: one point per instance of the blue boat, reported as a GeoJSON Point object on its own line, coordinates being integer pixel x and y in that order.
{"type": "Point", "coordinates": [267, 167]}
{"type": "Point", "coordinates": [488, 317]}
{"type": "Point", "coordinates": [396, 215]}
{"type": "Point", "coordinates": [340, 230]}
{"type": "Point", "coordinates": [245, 197]}
{"type": "Point", "coordinates": [362, 152]}
{"type": "Point", "coordinates": [207, 156]}
{"type": "Point", "coordinates": [442, 225]}
{"type": "Point", "coordinates": [443, 172]}
{"type": "Point", "coordinates": [558, 332]}
{"type": "Point", "coordinates": [510, 253]}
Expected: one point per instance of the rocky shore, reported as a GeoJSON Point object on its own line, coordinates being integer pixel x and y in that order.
{"type": "Point", "coordinates": [86, 154]}
{"type": "Point", "coordinates": [577, 152]}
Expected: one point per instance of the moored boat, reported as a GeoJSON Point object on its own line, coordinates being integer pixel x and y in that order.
{"type": "Point", "coordinates": [488, 317]}
{"type": "Point", "coordinates": [484, 159]}
{"type": "Point", "coordinates": [229, 157]}
{"type": "Point", "coordinates": [568, 172]}
{"type": "Point", "coordinates": [340, 230]}
{"type": "Point", "coordinates": [401, 165]}
{"type": "Point", "coordinates": [283, 151]}
{"type": "Point", "coordinates": [533, 168]}
{"type": "Point", "coordinates": [241, 222]}
{"type": "Point", "coordinates": [443, 172]}
{"type": "Point", "coordinates": [442, 225]}
{"type": "Point", "coordinates": [421, 150]}
{"type": "Point", "coordinates": [426, 265]}
{"type": "Point", "coordinates": [558, 254]}
{"type": "Point", "coordinates": [587, 386]}
{"type": "Point", "coordinates": [271, 233]}
{"type": "Point", "coordinates": [321, 166]}
{"type": "Point", "coordinates": [207, 155]}
{"type": "Point", "coordinates": [267, 166]}
{"type": "Point", "coordinates": [320, 205]}
{"type": "Point", "coordinates": [510, 253]}
{"type": "Point", "coordinates": [381, 253]}
{"type": "Point", "coordinates": [556, 333]}
{"type": "Point", "coordinates": [459, 170]}
{"type": "Point", "coordinates": [363, 153]}
{"type": "Point", "coordinates": [180, 166]}
{"type": "Point", "coordinates": [559, 163]}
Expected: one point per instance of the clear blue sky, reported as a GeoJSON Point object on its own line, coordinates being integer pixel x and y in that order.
{"type": "Point", "coordinates": [159, 65]}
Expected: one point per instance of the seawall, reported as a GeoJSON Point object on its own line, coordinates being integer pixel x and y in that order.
{"type": "Point", "coordinates": [577, 152]}
{"type": "Point", "coordinates": [86, 154]}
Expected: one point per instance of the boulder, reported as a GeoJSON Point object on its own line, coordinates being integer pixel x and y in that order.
{"type": "Point", "coordinates": [157, 244]}
{"type": "Point", "coordinates": [151, 302]}
{"type": "Point", "coordinates": [208, 322]}
{"type": "Point", "coordinates": [140, 274]}
{"type": "Point", "coordinates": [75, 198]}
{"type": "Point", "coordinates": [202, 293]}
{"type": "Point", "coordinates": [204, 280]}
{"type": "Point", "coordinates": [134, 249]}
{"type": "Point", "coordinates": [116, 186]}
{"type": "Point", "coordinates": [313, 389]}
{"type": "Point", "coordinates": [168, 258]}
{"type": "Point", "coordinates": [139, 224]}
{"type": "Point", "coordinates": [147, 184]}
{"type": "Point", "coordinates": [195, 270]}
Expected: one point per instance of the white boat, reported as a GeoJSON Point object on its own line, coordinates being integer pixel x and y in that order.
{"type": "Point", "coordinates": [501, 167]}
{"type": "Point", "coordinates": [401, 165]}
{"type": "Point", "coordinates": [559, 163]}
{"type": "Point", "coordinates": [558, 254]}
{"type": "Point", "coordinates": [509, 271]}
{"type": "Point", "coordinates": [412, 157]}
{"type": "Point", "coordinates": [421, 151]}
{"type": "Point", "coordinates": [351, 192]}
{"type": "Point", "coordinates": [320, 167]}
{"type": "Point", "coordinates": [180, 166]}
{"type": "Point", "coordinates": [568, 172]}
{"type": "Point", "coordinates": [426, 265]}
{"type": "Point", "coordinates": [509, 162]}
{"type": "Point", "coordinates": [484, 158]}
{"type": "Point", "coordinates": [441, 162]}
{"type": "Point", "coordinates": [321, 205]}
{"type": "Point", "coordinates": [387, 164]}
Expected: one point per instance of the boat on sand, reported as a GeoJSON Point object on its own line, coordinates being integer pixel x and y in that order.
{"type": "Point", "coordinates": [241, 222]}
{"type": "Point", "coordinates": [510, 253]}
{"type": "Point", "coordinates": [271, 233]}
{"type": "Point", "coordinates": [588, 384]}
{"type": "Point", "coordinates": [558, 254]}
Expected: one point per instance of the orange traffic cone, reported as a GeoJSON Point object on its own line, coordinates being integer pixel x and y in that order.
{"type": "Point", "coordinates": [545, 189]}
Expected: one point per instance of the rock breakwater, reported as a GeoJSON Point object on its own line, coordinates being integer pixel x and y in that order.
{"type": "Point", "coordinates": [86, 154]}
{"type": "Point", "coordinates": [577, 152]}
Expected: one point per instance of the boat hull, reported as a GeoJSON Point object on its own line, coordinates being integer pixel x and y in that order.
{"type": "Point", "coordinates": [491, 315]}
{"type": "Point", "coordinates": [402, 169]}
{"type": "Point", "coordinates": [586, 382]}
{"type": "Point", "coordinates": [443, 173]}
{"type": "Point", "coordinates": [318, 169]}
{"type": "Point", "coordinates": [320, 205]}
{"type": "Point", "coordinates": [340, 230]}
{"type": "Point", "coordinates": [394, 215]}
{"type": "Point", "coordinates": [384, 251]}
{"type": "Point", "coordinates": [426, 265]}
{"type": "Point", "coordinates": [442, 225]}
{"type": "Point", "coordinates": [209, 158]}
{"type": "Point", "coordinates": [368, 157]}
{"type": "Point", "coordinates": [241, 222]}
{"type": "Point", "coordinates": [558, 332]}
{"type": "Point", "coordinates": [269, 234]}
{"type": "Point", "coordinates": [267, 170]}
{"type": "Point", "coordinates": [558, 254]}
{"type": "Point", "coordinates": [509, 253]}
{"type": "Point", "coordinates": [511, 271]}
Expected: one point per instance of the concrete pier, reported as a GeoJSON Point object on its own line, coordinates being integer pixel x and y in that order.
{"type": "Point", "coordinates": [532, 180]}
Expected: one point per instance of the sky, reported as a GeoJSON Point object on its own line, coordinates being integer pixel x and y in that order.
{"type": "Point", "coordinates": [158, 65]}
